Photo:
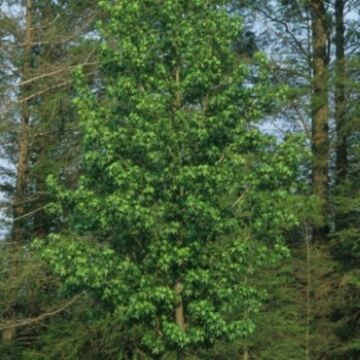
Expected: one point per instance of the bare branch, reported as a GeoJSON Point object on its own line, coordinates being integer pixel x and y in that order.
{"type": "Point", "coordinates": [41, 317]}
{"type": "Point", "coordinates": [30, 213]}
{"type": "Point", "coordinates": [55, 72]}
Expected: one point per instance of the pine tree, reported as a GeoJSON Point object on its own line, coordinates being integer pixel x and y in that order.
{"type": "Point", "coordinates": [38, 56]}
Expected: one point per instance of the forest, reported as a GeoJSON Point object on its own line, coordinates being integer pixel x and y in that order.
{"type": "Point", "coordinates": [180, 179]}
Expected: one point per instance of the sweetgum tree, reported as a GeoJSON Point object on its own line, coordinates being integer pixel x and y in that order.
{"type": "Point", "coordinates": [180, 197]}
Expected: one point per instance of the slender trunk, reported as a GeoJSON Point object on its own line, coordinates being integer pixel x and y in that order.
{"type": "Point", "coordinates": [179, 315]}
{"type": "Point", "coordinates": [246, 355]}
{"type": "Point", "coordinates": [341, 133]}
{"type": "Point", "coordinates": [320, 114]}
{"type": "Point", "coordinates": [179, 310]}
{"type": "Point", "coordinates": [24, 135]}
{"type": "Point", "coordinates": [8, 335]}
{"type": "Point", "coordinates": [18, 232]}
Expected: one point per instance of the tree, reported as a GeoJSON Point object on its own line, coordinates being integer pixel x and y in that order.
{"type": "Point", "coordinates": [287, 37]}
{"type": "Point", "coordinates": [42, 42]}
{"type": "Point", "coordinates": [320, 113]}
{"type": "Point", "coordinates": [180, 196]}
{"type": "Point", "coordinates": [23, 137]}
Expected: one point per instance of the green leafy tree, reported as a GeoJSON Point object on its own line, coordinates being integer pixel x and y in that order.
{"type": "Point", "coordinates": [180, 196]}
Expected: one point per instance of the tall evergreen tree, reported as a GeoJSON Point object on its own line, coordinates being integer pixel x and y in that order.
{"type": "Point", "coordinates": [38, 56]}
{"type": "Point", "coordinates": [320, 113]}
{"type": "Point", "coordinates": [290, 39]}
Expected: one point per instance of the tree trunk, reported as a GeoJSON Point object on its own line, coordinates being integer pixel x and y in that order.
{"type": "Point", "coordinates": [179, 315]}
{"type": "Point", "coordinates": [24, 135]}
{"type": "Point", "coordinates": [341, 132]}
{"type": "Point", "coordinates": [179, 310]}
{"type": "Point", "coordinates": [246, 355]}
{"type": "Point", "coordinates": [19, 207]}
{"type": "Point", "coordinates": [320, 114]}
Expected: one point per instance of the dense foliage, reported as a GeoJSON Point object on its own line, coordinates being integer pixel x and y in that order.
{"type": "Point", "coordinates": [181, 195]}
{"type": "Point", "coordinates": [170, 184]}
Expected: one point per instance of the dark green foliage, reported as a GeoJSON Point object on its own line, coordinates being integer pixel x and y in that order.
{"type": "Point", "coordinates": [346, 249]}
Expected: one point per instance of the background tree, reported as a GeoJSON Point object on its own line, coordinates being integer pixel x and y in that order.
{"type": "Point", "coordinates": [41, 44]}
{"type": "Point", "coordinates": [288, 37]}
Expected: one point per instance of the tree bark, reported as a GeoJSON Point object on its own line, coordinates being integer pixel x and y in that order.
{"type": "Point", "coordinates": [246, 355]}
{"type": "Point", "coordinates": [24, 134]}
{"type": "Point", "coordinates": [320, 114]}
{"type": "Point", "coordinates": [19, 208]}
{"type": "Point", "coordinates": [179, 310]}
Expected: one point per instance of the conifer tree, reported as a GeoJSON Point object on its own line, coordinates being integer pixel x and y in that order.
{"type": "Point", "coordinates": [41, 43]}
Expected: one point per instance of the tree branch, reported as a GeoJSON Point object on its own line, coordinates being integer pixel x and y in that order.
{"type": "Point", "coordinates": [42, 316]}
